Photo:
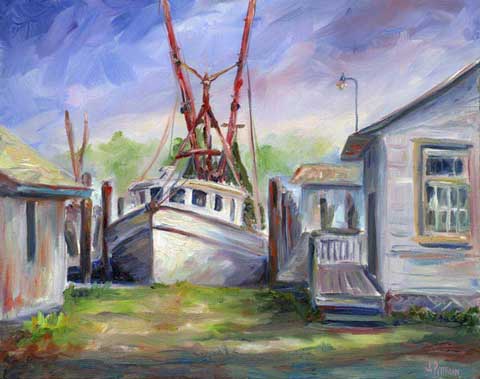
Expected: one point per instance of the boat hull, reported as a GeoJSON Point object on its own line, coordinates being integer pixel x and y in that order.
{"type": "Point", "coordinates": [181, 245]}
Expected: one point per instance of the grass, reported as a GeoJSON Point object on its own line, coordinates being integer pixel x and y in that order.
{"type": "Point", "coordinates": [205, 320]}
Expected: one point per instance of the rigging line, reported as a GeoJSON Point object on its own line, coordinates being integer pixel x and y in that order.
{"type": "Point", "coordinates": [174, 185]}
{"type": "Point", "coordinates": [256, 195]}
{"type": "Point", "coordinates": [162, 142]}
{"type": "Point", "coordinates": [170, 151]}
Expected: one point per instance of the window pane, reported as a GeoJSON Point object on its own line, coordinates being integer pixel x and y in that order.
{"type": "Point", "coordinates": [232, 210]}
{"type": "Point", "coordinates": [177, 195]}
{"type": "Point", "coordinates": [458, 166]}
{"type": "Point", "coordinates": [218, 203]}
{"type": "Point", "coordinates": [441, 221]}
{"type": "Point", "coordinates": [199, 198]}
{"type": "Point", "coordinates": [463, 221]}
{"type": "Point", "coordinates": [430, 220]}
{"type": "Point", "coordinates": [440, 166]}
{"type": "Point", "coordinates": [442, 194]}
{"type": "Point", "coordinates": [453, 221]}
{"type": "Point", "coordinates": [156, 193]}
{"type": "Point", "coordinates": [453, 197]}
{"type": "Point", "coordinates": [462, 197]}
{"type": "Point", "coordinates": [430, 194]}
{"type": "Point", "coordinates": [142, 196]}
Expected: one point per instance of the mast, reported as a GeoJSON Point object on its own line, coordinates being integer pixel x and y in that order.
{"type": "Point", "coordinates": [205, 166]}
{"type": "Point", "coordinates": [237, 84]}
{"type": "Point", "coordinates": [188, 103]}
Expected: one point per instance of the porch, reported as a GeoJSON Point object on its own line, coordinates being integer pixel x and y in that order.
{"type": "Point", "coordinates": [339, 282]}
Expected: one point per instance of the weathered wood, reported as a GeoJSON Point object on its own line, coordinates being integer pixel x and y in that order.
{"type": "Point", "coordinates": [71, 146]}
{"type": "Point", "coordinates": [106, 212]}
{"type": "Point", "coordinates": [86, 240]}
{"type": "Point", "coordinates": [81, 151]}
{"type": "Point", "coordinates": [274, 222]}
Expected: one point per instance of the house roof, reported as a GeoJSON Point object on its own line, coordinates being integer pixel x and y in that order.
{"type": "Point", "coordinates": [328, 175]}
{"type": "Point", "coordinates": [357, 142]}
{"type": "Point", "coordinates": [26, 171]}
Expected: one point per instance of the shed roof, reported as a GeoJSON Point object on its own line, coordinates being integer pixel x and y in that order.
{"type": "Point", "coordinates": [328, 174]}
{"type": "Point", "coordinates": [28, 171]}
{"type": "Point", "coordinates": [357, 142]}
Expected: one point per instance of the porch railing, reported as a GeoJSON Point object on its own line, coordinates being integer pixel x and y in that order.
{"type": "Point", "coordinates": [334, 247]}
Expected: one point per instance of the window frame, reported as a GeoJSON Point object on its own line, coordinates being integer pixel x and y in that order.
{"type": "Point", "coordinates": [423, 150]}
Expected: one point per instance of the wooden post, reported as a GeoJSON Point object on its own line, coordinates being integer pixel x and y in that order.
{"type": "Point", "coordinates": [106, 212]}
{"type": "Point", "coordinates": [273, 231]}
{"type": "Point", "coordinates": [120, 206]}
{"type": "Point", "coordinates": [86, 240]}
{"type": "Point", "coordinates": [86, 233]}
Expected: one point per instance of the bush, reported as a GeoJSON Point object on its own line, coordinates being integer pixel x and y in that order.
{"type": "Point", "coordinates": [469, 318]}
{"type": "Point", "coordinates": [41, 325]}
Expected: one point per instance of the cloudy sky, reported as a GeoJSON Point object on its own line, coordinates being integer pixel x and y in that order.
{"type": "Point", "coordinates": [110, 58]}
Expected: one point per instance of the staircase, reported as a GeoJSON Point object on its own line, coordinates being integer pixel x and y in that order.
{"type": "Point", "coordinates": [339, 283]}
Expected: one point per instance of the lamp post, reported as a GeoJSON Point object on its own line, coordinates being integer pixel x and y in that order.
{"type": "Point", "coordinates": [341, 84]}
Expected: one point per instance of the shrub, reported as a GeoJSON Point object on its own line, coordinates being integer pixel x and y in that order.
{"type": "Point", "coordinates": [469, 318]}
{"type": "Point", "coordinates": [41, 325]}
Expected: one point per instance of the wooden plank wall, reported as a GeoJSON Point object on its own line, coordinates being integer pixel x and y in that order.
{"type": "Point", "coordinates": [285, 227]}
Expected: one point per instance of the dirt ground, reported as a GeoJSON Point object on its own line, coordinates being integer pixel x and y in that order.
{"type": "Point", "coordinates": [184, 331]}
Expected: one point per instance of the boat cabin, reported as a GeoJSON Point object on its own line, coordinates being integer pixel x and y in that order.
{"type": "Point", "coordinates": [217, 200]}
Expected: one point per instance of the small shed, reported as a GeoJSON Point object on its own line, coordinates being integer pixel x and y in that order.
{"type": "Point", "coordinates": [331, 196]}
{"type": "Point", "coordinates": [33, 257]}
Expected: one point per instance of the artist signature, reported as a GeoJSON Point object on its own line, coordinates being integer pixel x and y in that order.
{"type": "Point", "coordinates": [437, 370]}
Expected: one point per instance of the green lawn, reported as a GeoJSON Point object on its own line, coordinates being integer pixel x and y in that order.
{"type": "Point", "coordinates": [245, 332]}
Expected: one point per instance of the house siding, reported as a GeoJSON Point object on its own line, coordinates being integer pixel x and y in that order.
{"type": "Point", "coordinates": [406, 265]}
{"type": "Point", "coordinates": [27, 286]}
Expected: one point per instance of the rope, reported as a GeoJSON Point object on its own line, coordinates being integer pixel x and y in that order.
{"type": "Point", "coordinates": [163, 140]}
{"type": "Point", "coordinates": [256, 195]}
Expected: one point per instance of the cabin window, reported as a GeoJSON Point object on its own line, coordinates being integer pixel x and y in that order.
{"type": "Point", "coordinates": [232, 210]}
{"type": "Point", "coordinates": [156, 193]}
{"type": "Point", "coordinates": [142, 197]}
{"type": "Point", "coordinates": [199, 198]}
{"type": "Point", "coordinates": [177, 195]}
{"type": "Point", "coordinates": [31, 231]}
{"type": "Point", "coordinates": [218, 203]}
{"type": "Point", "coordinates": [446, 191]}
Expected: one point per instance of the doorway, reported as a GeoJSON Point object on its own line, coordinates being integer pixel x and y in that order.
{"type": "Point", "coordinates": [372, 233]}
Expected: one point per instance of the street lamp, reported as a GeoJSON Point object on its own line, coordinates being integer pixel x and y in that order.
{"type": "Point", "coordinates": [341, 84]}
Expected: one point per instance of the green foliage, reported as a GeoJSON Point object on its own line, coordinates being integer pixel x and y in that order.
{"type": "Point", "coordinates": [249, 213]}
{"type": "Point", "coordinates": [281, 155]}
{"type": "Point", "coordinates": [124, 159]}
{"type": "Point", "coordinates": [41, 325]}
{"type": "Point", "coordinates": [469, 318]}
{"type": "Point", "coordinates": [284, 302]}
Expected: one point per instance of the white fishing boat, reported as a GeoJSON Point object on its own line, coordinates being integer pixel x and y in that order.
{"type": "Point", "coordinates": [192, 227]}
{"type": "Point", "coordinates": [196, 235]}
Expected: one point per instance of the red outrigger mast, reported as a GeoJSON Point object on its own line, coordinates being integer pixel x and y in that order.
{"type": "Point", "coordinates": [205, 166]}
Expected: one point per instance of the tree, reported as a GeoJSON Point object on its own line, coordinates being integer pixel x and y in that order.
{"type": "Point", "coordinates": [122, 158]}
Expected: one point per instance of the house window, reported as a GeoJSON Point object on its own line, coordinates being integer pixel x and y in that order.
{"type": "Point", "coordinates": [199, 198]}
{"type": "Point", "coordinates": [446, 191]}
{"type": "Point", "coordinates": [218, 203]}
{"type": "Point", "coordinates": [177, 195]}
{"type": "Point", "coordinates": [31, 231]}
{"type": "Point", "coordinates": [156, 193]}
